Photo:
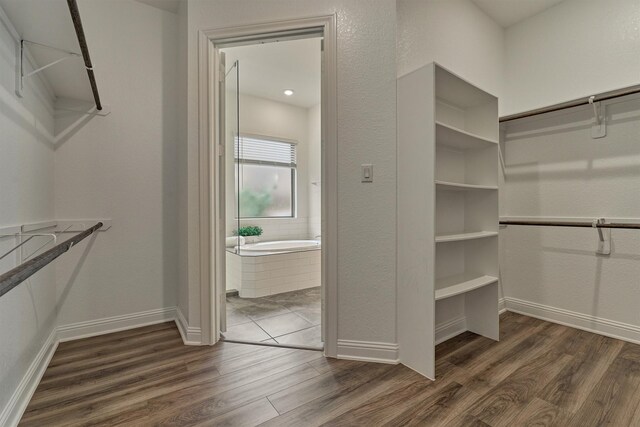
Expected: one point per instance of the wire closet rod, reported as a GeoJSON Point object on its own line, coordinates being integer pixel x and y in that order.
{"type": "Point", "coordinates": [77, 23]}
{"type": "Point", "coordinates": [575, 103]}
{"type": "Point", "coordinates": [622, 225]}
{"type": "Point", "coordinates": [17, 275]}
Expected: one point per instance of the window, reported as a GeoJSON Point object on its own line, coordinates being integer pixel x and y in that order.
{"type": "Point", "coordinates": [265, 177]}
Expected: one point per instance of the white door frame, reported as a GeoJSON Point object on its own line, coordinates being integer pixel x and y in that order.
{"type": "Point", "coordinates": [210, 148]}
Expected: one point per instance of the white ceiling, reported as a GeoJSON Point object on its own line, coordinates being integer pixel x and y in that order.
{"type": "Point", "coordinates": [49, 22]}
{"type": "Point", "coordinates": [266, 70]}
{"type": "Point", "coordinates": [509, 12]}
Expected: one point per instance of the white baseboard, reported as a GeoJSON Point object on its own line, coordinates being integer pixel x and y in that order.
{"type": "Point", "coordinates": [598, 325]}
{"type": "Point", "coordinates": [11, 414]}
{"type": "Point", "coordinates": [453, 327]}
{"type": "Point", "coordinates": [502, 305]}
{"type": "Point", "coordinates": [108, 325]}
{"type": "Point", "coordinates": [450, 329]}
{"type": "Point", "coordinates": [16, 406]}
{"type": "Point", "coordinates": [190, 334]}
{"type": "Point", "coordinates": [367, 351]}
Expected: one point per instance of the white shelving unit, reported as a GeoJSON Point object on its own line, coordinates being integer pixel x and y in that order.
{"type": "Point", "coordinates": [447, 212]}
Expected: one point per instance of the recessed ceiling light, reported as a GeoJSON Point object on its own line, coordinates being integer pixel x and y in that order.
{"type": "Point", "coordinates": [288, 92]}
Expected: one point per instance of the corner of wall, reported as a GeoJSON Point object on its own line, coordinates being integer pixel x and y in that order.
{"type": "Point", "coordinates": [12, 413]}
{"type": "Point", "coordinates": [190, 335]}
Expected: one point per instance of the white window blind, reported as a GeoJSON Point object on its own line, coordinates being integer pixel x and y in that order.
{"type": "Point", "coordinates": [256, 150]}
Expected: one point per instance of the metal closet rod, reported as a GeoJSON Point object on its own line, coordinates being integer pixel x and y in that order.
{"type": "Point", "coordinates": [19, 274]}
{"type": "Point", "coordinates": [77, 23]}
{"type": "Point", "coordinates": [575, 103]}
{"type": "Point", "coordinates": [622, 225]}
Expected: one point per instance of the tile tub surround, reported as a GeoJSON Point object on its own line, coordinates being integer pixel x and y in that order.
{"type": "Point", "coordinates": [260, 276]}
{"type": "Point", "coordinates": [291, 318]}
{"type": "Point", "coordinates": [280, 228]}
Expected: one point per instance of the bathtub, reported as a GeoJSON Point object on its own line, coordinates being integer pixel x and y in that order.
{"type": "Point", "coordinates": [278, 247]}
{"type": "Point", "coordinates": [268, 268]}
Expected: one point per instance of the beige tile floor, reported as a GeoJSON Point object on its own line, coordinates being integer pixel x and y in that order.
{"type": "Point", "coordinates": [291, 318]}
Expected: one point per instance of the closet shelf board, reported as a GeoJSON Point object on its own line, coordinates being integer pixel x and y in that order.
{"type": "Point", "coordinates": [458, 186]}
{"type": "Point", "coordinates": [453, 137]}
{"type": "Point", "coordinates": [455, 285]}
{"type": "Point", "coordinates": [443, 238]}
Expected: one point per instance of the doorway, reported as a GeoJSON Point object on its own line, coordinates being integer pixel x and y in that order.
{"type": "Point", "coordinates": [276, 139]}
{"type": "Point", "coordinates": [273, 248]}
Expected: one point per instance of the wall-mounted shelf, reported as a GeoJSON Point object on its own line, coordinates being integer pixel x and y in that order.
{"type": "Point", "coordinates": [451, 286]}
{"type": "Point", "coordinates": [457, 186]}
{"type": "Point", "coordinates": [31, 254]}
{"type": "Point", "coordinates": [444, 238]}
{"type": "Point", "coordinates": [453, 137]}
{"type": "Point", "coordinates": [51, 46]}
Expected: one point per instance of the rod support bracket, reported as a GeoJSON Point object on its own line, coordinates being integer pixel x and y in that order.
{"type": "Point", "coordinates": [599, 128]}
{"type": "Point", "coordinates": [22, 69]}
{"type": "Point", "coordinates": [604, 237]}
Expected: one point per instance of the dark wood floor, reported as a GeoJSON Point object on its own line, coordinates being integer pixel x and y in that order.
{"type": "Point", "coordinates": [538, 374]}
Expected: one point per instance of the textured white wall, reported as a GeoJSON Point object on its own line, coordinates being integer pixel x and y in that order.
{"type": "Point", "coordinates": [28, 312]}
{"type": "Point", "coordinates": [123, 167]}
{"type": "Point", "coordinates": [457, 35]}
{"type": "Point", "coordinates": [366, 133]}
{"type": "Point", "coordinates": [574, 49]}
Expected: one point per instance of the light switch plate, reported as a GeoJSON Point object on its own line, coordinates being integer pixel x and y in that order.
{"type": "Point", "coordinates": [367, 173]}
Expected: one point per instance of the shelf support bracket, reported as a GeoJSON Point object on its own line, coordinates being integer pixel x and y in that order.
{"type": "Point", "coordinates": [604, 237]}
{"type": "Point", "coordinates": [599, 129]}
{"type": "Point", "coordinates": [24, 74]}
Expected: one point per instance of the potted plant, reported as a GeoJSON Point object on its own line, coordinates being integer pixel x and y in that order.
{"type": "Point", "coordinates": [251, 233]}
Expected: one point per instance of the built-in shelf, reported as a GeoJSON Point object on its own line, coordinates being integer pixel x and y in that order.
{"type": "Point", "coordinates": [457, 186]}
{"type": "Point", "coordinates": [455, 285]}
{"type": "Point", "coordinates": [465, 236]}
{"type": "Point", "coordinates": [453, 137]}
{"type": "Point", "coordinates": [448, 136]}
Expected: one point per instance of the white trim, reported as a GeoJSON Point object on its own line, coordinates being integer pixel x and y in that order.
{"type": "Point", "coordinates": [190, 334]}
{"type": "Point", "coordinates": [77, 225]}
{"type": "Point", "coordinates": [368, 351]}
{"type": "Point", "coordinates": [36, 226]}
{"type": "Point", "coordinates": [450, 329]}
{"type": "Point", "coordinates": [207, 167]}
{"type": "Point", "coordinates": [18, 402]}
{"type": "Point", "coordinates": [107, 325]}
{"type": "Point", "coordinates": [597, 325]}
{"type": "Point", "coordinates": [12, 413]}
{"type": "Point", "coordinates": [207, 221]}
{"type": "Point", "coordinates": [10, 229]}
{"type": "Point", "coordinates": [502, 305]}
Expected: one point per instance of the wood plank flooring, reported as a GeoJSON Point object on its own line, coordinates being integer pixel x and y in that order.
{"type": "Point", "coordinates": [539, 374]}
